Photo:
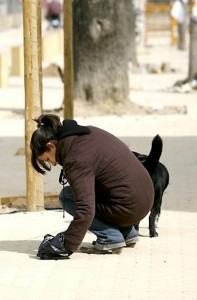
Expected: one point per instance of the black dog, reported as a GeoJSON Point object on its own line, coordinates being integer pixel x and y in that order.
{"type": "Point", "coordinates": [160, 178]}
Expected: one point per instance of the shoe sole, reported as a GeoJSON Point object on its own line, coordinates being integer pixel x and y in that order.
{"type": "Point", "coordinates": [130, 245]}
{"type": "Point", "coordinates": [96, 251]}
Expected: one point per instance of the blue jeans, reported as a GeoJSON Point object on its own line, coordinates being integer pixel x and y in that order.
{"type": "Point", "coordinates": [108, 235]}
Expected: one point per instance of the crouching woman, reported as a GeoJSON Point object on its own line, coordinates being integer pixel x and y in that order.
{"type": "Point", "coordinates": [109, 189]}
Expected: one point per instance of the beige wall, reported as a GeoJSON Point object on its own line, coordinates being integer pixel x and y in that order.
{"type": "Point", "coordinates": [52, 45]}
{"type": "Point", "coordinates": [11, 21]}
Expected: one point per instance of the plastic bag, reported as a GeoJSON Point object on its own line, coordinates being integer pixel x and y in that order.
{"type": "Point", "coordinates": [52, 247]}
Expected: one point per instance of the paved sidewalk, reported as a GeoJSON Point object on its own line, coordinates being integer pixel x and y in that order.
{"type": "Point", "coordinates": [158, 268]}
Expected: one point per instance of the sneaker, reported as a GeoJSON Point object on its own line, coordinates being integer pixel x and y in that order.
{"type": "Point", "coordinates": [131, 242]}
{"type": "Point", "coordinates": [93, 250]}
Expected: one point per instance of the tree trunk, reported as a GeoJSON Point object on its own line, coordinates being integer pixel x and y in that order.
{"type": "Point", "coordinates": [192, 50]}
{"type": "Point", "coordinates": [104, 43]}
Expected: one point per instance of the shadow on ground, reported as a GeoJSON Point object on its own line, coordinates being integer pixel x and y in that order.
{"type": "Point", "coordinates": [29, 247]}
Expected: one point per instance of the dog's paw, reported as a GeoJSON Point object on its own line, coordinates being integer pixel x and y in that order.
{"type": "Point", "coordinates": [153, 234]}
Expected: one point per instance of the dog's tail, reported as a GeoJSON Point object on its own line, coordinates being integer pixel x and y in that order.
{"type": "Point", "coordinates": [153, 158]}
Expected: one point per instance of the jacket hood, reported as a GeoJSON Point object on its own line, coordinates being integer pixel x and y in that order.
{"type": "Point", "coordinates": [69, 128]}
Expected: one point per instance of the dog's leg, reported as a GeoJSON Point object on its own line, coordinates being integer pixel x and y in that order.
{"type": "Point", "coordinates": [152, 223]}
{"type": "Point", "coordinates": [155, 211]}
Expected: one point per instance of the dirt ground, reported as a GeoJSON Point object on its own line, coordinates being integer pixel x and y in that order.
{"type": "Point", "coordinates": [127, 107]}
{"type": "Point", "coordinates": [84, 109]}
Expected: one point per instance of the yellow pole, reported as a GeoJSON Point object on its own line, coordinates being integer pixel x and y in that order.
{"type": "Point", "coordinates": [33, 95]}
{"type": "Point", "coordinates": [68, 60]}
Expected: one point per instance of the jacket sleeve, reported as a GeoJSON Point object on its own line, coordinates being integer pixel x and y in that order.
{"type": "Point", "coordinates": [82, 182]}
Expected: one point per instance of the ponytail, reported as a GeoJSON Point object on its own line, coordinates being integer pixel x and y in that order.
{"type": "Point", "coordinates": [47, 126]}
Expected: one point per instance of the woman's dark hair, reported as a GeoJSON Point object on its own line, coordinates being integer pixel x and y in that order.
{"type": "Point", "coordinates": [47, 126]}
